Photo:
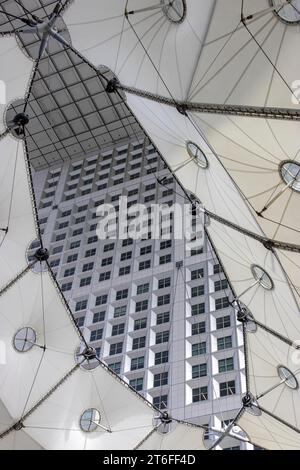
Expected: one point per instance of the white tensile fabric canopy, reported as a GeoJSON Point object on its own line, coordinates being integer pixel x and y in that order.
{"type": "Point", "coordinates": [51, 397]}
{"type": "Point", "coordinates": [238, 58]}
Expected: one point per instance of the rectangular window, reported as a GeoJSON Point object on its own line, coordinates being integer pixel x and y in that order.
{"type": "Point", "coordinates": [124, 271]}
{"type": "Point", "coordinates": [222, 303]}
{"type": "Point", "coordinates": [163, 318]}
{"type": "Point", "coordinates": [115, 367]}
{"type": "Point", "coordinates": [140, 324]}
{"type": "Point", "coordinates": [145, 265]}
{"type": "Point", "coordinates": [198, 328]}
{"type": "Point", "coordinates": [139, 343]}
{"type": "Point", "coordinates": [87, 267]}
{"type": "Point", "coordinates": [163, 283]}
{"type": "Point", "coordinates": [199, 370]}
{"type": "Point", "coordinates": [160, 379]}
{"type": "Point", "coordinates": [101, 300]}
{"type": "Point", "coordinates": [161, 357]}
{"type": "Point", "coordinates": [165, 259]}
{"type": "Point", "coordinates": [126, 256]}
{"type": "Point", "coordinates": [223, 322]}
{"type": "Point", "coordinates": [115, 349]}
{"type": "Point", "coordinates": [107, 262]}
{"type": "Point", "coordinates": [98, 317]}
{"type": "Point", "coordinates": [86, 281]}
{"type": "Point", "coordinates": [145, 250]}
{"type": "Point", "coordinates": [198, 349]}
{"type": "Point", "coordinates": [74, 245]}
{"type": "Point", "coordinates": [198, 309]}
{"type": "Point", "coordinates": [142, 289]}
{"type": "Point", "coordinates": [161, 402]}
{"type": "Point", "coordinates": [217, 269]}
{"type": "Point", "coordinates": [166, 244]}
{"type": "Point", "coordinates": [227, 388]}
{"type": "Point", "coordinates": [66, 287]}
{"type": "Point", "coordinates": [197, 291]}
{"type": "Point", "coordinates": [104, 276]}
{"type": "Point", "coordinates": [122, 294]}
{"type": "Point", "coordinates": [224, 343]}
{"type": "Point", "coordinates": [200, 394]}
{"type": "Point", "coordinates": [120, 311]}
{"type": "Point", "coordinates": [221, 285]}
{"type": "Point", "coordinates": [226, 365]}
{"type": "Point", "coordinates": [109, 247]}
{"type": "Point", "coordinates": [162, 337]}
{"type": "Point", "coordinates": [140, 306]}
{"type": "Point", "coordinates": [69, 272]}
{"type": "Point", "coordinates": [118, 329]}
{"type": "Point", "coordinates": [163, 300]}
{"type": "Point", "coordinates": [197, 274]}
{"type": "Point", "coordinates": [137, 363]}
{"type": "Point", "coordinates": [81, 305]}
{"type": "Point", "coordinates": [89, 253]}
{"type": "Point", "coordinates": [96, 335]}
{"type": "Point", "coordinates": [72, 258]}
{"type": "Point", "coordinates": [137, 384]}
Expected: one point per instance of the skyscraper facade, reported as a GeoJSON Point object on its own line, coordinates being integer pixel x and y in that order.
{"type": "Point", "coordinates": [157, 311]}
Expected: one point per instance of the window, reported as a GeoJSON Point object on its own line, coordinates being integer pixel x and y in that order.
{"type": "Point", "coordinates": [98, 316]}
{"type": "Point", "coordinates": [161, 357]}
{"type": "Point", "coordinates": [162, 337]}
{"type": "Point", "coordinates": [107, 261]}
{"type": "Point", "coordinates": [145, 265]}
{"type": "Point", "coordinates": [122, 294]}
{"type": "Point", "coordinates": [82, 209]}
{"type": "Point", "coordinates": [222, 303]}
{"type": "Point", "coordinates": [86, 281]}
{"type": "Point", "coordinates": [197, 274]}
{"type": "Point", "coordinates": [87, 267]}
{"type": "Point", "coordinates": [69, 272]}
{"type": "Point", "coordinates": [223, 322]}
{"type": "Point", "coordinates": [104, 276]}
{"type": "Point", "coordinates": [96, 335]}
{"type": "Point", "coordinates": [140, 324]}
{"type": "Point", "coordinates": [163, 283]}
{"type": "Point", "coordinates": [127, 242]}
{"type": "Point", "coordinates": [126, 256]}
{"type": "Point", "coordinates": [142, 289]}
{"type": "Point", "coordinates": [137, 363]}
{"type": "Point", "coordinates": [139, 343]}
{"type": "Point", "coordinates": [196, 251]}
{"type": "Point", "coordinates": [63, 225]}
{"type": "Point", "coordinates": [79, 220]}
{"type": "Point", "coordinates": [199, 370]}
{"type": "Point", "coordinates": [137, 384]}
{"type": "Point", "coordinates": [124, 271]}
{"type": "Point", "coordinates": [197, 291]}
{"type": "Point", "coordinates": [161, 402]}
{"type": "Point", "coordinates": [72, 258]}
{"type": "Point", "coordinates": [120, 311]}
{"type": "Point", "coordinates": [200, 394]}
{"type": "Point", "coordinates": [54, 263]}
{"type": "Point", "coordinates": [89, 253]}
{"type": "Point", "coordinates": [115, 367]}
{"type": "Point", "coordinates": [101, 300]}
{"type": "Point", "coordinates": [57, 249]}
{"type": "Point", "coordinates": [140, 306]}
{"type": "Point", "coordinates": [227, 388]}
{"type": "Point", "coordinates": [115, 349]}
{"type": "Point", "coordinates": [165, 259]}
{"type": "Point", "coordinates": [66, 287]}
{"type": "Point", "coordinates": [81, 305]}
{"type": "Point", "coordinates": [163, 318]}
{"type": "Point", "coordinates": [93, 239]}
{"type": "Point", "coordinates": [221, 285]}
{"type": "Point", "coordinates": [66, 213]}
{"type": "Point", "coordinates": [166, 244]}
{"type": "Point", "coordinates": [118, 329]}
{"type": "Point", "coordinates": [74, 245]}
{"type": "Point", "coordinates": [163, 300]}
{"type": "Point", "coordinates": [217, 269]}
{"type": "Point", "coordinates": [160, 379]}
{"type": "Point", "coordinates": [109, 247]}
{"type": "Point", "coordinates": [198, 309]}
{"type": "Point", "coordinates": [198, 328]}
{"type": "Point", "coordinates": [226, 365]}
{"type": "Point", "coordinates": [198, 349]}
{"type": "Point", "coordinates": [224, 343]}
{"type": "Point", "coordinates": [145, 250]}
